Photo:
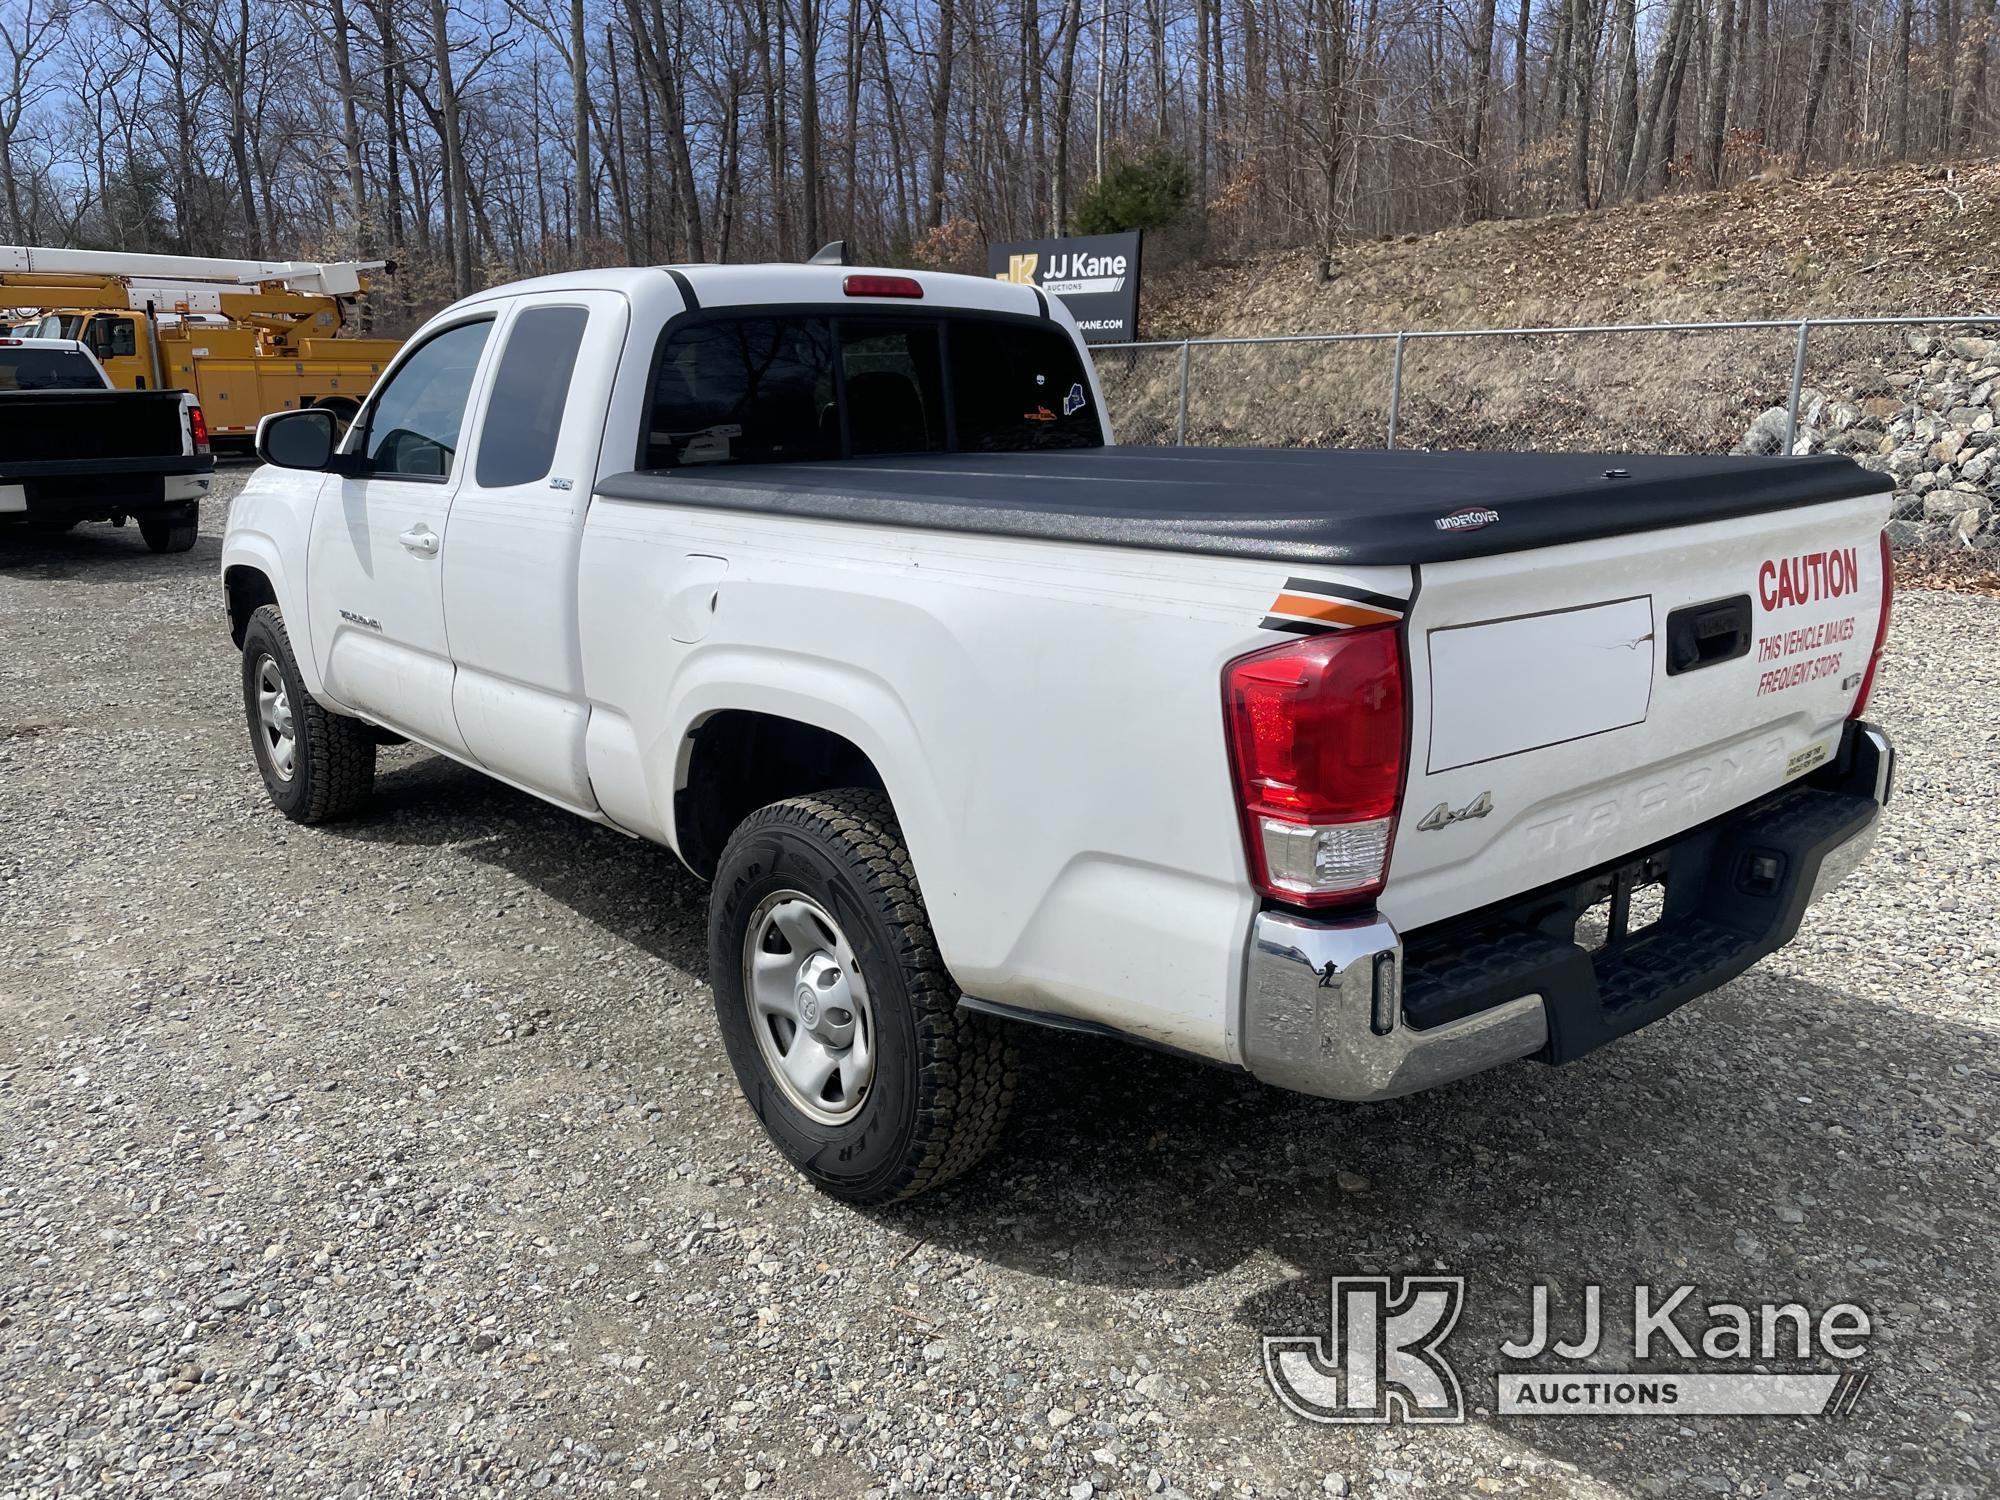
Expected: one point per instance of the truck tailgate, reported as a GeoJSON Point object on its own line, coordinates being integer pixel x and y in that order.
{"type": "Point", "coordinates": [1576, 704]}
{"type": "Point", "coordinates": [75, 427]}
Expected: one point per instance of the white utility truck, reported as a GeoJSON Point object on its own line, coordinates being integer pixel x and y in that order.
{"type": "Point", "coordinates": [1361, 771]}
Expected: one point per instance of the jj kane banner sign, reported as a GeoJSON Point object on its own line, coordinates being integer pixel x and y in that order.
{"type": "Point", "coordinates": [1096, 275]}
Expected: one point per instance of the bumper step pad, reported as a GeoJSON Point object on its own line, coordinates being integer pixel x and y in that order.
{"type": "Point", "coordinates": [1736, 890]}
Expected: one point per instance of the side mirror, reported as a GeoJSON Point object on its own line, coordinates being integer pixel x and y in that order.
{"type": "Point", "coordinates": [300, 440]}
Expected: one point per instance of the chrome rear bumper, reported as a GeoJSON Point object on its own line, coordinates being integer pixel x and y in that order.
{"type": "Point", "coordinates": [1324, 1011]}
{"type": "Point", "coordinates": [1323, 1015]}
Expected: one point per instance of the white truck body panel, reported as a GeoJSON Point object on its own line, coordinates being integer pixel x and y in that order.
{"type": "Point", "coordinates": [974, 673]}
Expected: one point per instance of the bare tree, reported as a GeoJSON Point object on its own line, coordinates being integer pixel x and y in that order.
{"type": "Point", "coordinates": [1624, 124]}
{"type": "Point", "coordinates": [1820, 65]}
{"type": "Point", "coordinates": [26, 42]}
{"type": "Point", "coordinates": [1715, 97]}
{"type": "Point", "coordinates": [946, 46]}
{"type": "Point", "coordinates": [579, 124]}
{"type": "Point", "coordinates": [477, 138]}
{"type": "Point", "coordinates": [1969, 81]}
{"type": "Point", "coordinates": [1480, 102]}
{"type": "Point", "coordinates": [1072, 24]}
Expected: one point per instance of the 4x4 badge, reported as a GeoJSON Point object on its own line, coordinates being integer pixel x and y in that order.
{"type": "Point", "coordinates": [1444, 814]}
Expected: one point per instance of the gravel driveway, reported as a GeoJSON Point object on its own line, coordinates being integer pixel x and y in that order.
{"type": "Point", "coordinates": [400, 1158]}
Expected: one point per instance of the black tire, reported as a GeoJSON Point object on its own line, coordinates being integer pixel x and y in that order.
{"type": "Point", "coordinates": [171, 530]}
{"type": "Point", "coordinates": [333, 756]}
{"type": "Point", "coordinates": [943, 1078]}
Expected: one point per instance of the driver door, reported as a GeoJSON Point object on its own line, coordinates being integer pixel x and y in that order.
{"type": "Point", "coordinates": [375, 563]}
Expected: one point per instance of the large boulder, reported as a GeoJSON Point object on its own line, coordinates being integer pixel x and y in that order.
{"type": "Point", "coordinates": [1948, 505]}
{"type": "Point", "coordinates": [1767, 433]}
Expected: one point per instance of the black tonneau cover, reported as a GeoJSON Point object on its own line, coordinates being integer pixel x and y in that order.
{"type": "Point", "coordinates": [1291, 504]}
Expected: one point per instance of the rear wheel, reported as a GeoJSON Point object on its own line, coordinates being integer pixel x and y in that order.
{"type": "Point", "coordinates": [317, 766]}
{"type": "Point", "coordinates": [839, 1017]}
{"type": "Point", "coordinates": [170, 530]}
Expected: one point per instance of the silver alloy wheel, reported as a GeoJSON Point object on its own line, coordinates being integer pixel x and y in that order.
{"type": "Point", "coordinates": [809, 1007]}
{"type": "Point", "coordinates": [274, 717]}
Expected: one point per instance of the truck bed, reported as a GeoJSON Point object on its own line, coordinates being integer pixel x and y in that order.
{"type": "Point", "coordinates": [1359, 506]}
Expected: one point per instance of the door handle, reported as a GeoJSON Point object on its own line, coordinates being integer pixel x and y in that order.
{"type": "Point", "coordinates": [1701, 635]}
{"type": "Point", "coordinates": [421, 539]}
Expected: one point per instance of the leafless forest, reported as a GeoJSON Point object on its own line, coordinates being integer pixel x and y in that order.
{"type": "Point", "coordinates": [471, 139]}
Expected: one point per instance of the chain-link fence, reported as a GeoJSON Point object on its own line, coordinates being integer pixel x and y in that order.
{"type": "Point", "coordinates": [1912, 397]}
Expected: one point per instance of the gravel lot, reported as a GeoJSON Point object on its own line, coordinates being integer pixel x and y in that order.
{"type": "Point", "coordinates": [401, 1158]}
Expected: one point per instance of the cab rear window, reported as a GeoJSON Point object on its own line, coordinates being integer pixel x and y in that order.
{"type": "Point", "coordinates": [47, 370]}
{"type": "Point", "coordinates": [803, 387]}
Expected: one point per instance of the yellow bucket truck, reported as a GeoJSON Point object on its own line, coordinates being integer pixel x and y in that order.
{"type": "Point", "coordinates": [246, 337]}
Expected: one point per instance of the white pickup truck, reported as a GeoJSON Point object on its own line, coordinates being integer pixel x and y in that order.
{"type": "Point", "coordinates": [1359, 771]}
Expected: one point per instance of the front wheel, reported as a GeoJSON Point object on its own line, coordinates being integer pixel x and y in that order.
{"type": "Point", "coordinates": [170, 530]}
{"type": "Point", "coordinates": [316, 765]}
{"type": "Point", "coordinates": [839, 1017]}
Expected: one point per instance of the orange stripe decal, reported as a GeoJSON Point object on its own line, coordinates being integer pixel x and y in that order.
{"type": "Point", "coordinates": [1332, 611]}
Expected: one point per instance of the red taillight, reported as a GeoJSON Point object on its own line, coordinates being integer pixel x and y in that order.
{"type": "Point", "coordinates": [1881, 632]}
{"type": "Point", "coordinates": [881, 286]}
{"type": "Point", "coordinates": [198, 426]}
{"type": "Point", "coordinates": [1317, 734]}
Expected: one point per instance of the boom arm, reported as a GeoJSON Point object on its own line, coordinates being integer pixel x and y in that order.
{"type": "Point", "coordinates": [340, 278]}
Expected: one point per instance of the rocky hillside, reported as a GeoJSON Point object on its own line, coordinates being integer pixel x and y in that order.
{"type": "Point", "coordinates": [1889, 241]}
{"type": "Point", "coordinates": [1917, 403]}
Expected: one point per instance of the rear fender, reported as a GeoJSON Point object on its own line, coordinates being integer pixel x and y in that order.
{"type": "Point", "coordinates": [844, 700]}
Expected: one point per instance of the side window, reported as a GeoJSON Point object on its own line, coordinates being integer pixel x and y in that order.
{"type": "Point", "coordinates": [414, 423]}
{"type": "Point", "coordinates": [524, 414]}
{"type": "Point", "coordinates": [123, 340]}
{"type": "Point", "coordinates": [1016, 387]}
{"type": "Point", "coordinates": [894, 386]}
{"type": "Point", "coordinates": [744, 390]}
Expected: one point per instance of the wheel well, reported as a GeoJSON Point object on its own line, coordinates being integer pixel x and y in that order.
{"type": "Point", "coordinates": [742, 761]}
{"type": "Point", "coordinates": [248, 591]}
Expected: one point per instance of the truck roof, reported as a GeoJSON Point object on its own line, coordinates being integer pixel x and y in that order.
{"type": "Point", "coordinates": [780, 284]}
{"type": "Point", "coordinates": [1359, 506]}
{"type": "Point", "coordinates": [70, 346]}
